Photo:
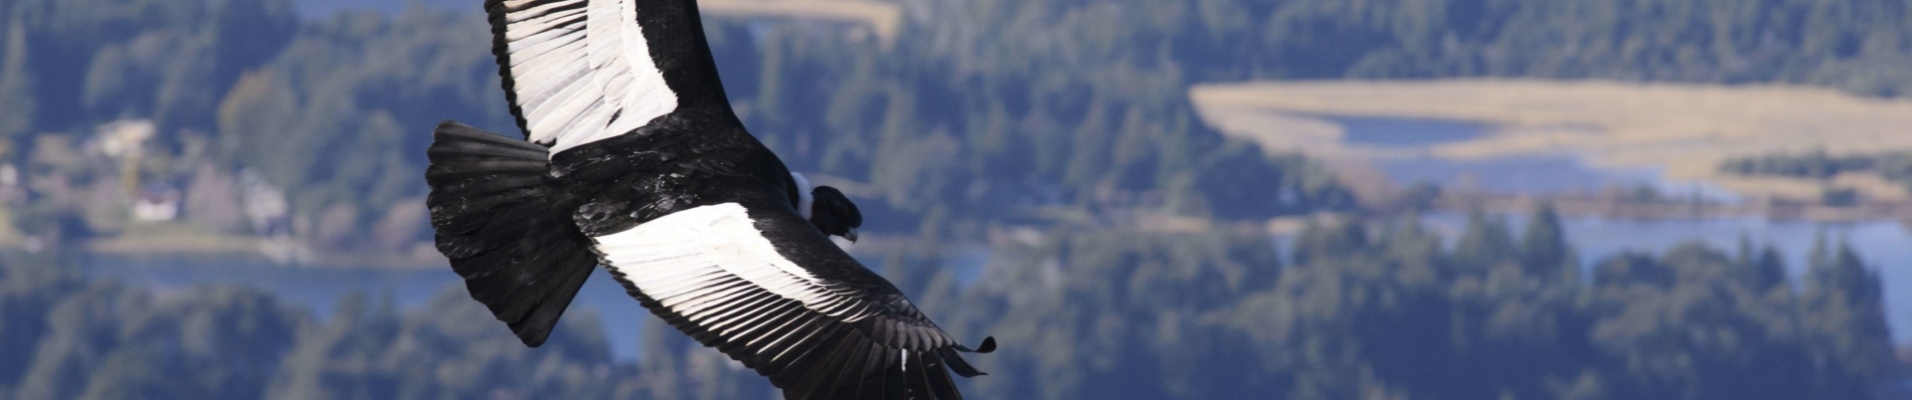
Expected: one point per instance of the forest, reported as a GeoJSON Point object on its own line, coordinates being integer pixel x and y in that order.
{"type": "Point", "coordinates": [1349, 311]}
{"type": "Point", "coordinates": [1061, 119]}
{"type": "Point", "coordinates": [1084, 110]}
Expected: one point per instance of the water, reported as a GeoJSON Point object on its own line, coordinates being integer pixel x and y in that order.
{"type": "Point", "coordinates": [1548, 173]}
{"type": "Point", "coordinates": [1405, 132]}
{"type": "Point", "coordinates": [1534, 174]}
{"type": "Point", "coordinates": [321, 289]}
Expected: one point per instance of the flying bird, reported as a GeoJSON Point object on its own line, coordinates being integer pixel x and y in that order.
{"type": "Point", "coordinates": [633, 160]}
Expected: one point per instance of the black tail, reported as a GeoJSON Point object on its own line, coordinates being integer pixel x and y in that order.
{"type": "Point", "coordinates": [504, 229]}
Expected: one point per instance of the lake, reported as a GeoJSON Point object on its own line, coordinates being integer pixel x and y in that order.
{"type": "Point", "coordinates": [1532, 174]}
{"type": "Point", "coordinates": [320, 289]}
{"type": "Point", "coordinates": [1406, 141]}
{"type": "Point", "coordinates": [1404, 132]}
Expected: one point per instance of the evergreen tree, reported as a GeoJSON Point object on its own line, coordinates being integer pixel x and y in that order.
{"type": "Point", "coordinates": [1484, 244]}
{"type": "Point", "coordinates": [1743, 254]}
{"type": "Point", "coordinates": [1335, 239]}
{"type": "Point", "coordinates": [1544, 250]}
{"type": "Point", "coordinates": [1844, 308]}
{"type": "Point", "coordinates": [1769, 270]}
{"type": "Point", "coordinates": [1761, 269]}
{"type": "Point", "coordinates": [16, 83]}
{"type": "Point", "coordinates": [1631, 269]}
{"type": "Point", "coordinates": [1819, 258]}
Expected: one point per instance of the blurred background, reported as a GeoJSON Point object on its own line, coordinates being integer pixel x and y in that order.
{"type": "Point", "coordinates": [1142, 199]}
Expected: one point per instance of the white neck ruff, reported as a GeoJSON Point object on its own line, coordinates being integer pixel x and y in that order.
{"type": "Point", "coordinates": [805, 200]}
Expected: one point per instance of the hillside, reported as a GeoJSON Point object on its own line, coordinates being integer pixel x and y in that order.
{"type": "Point", "coordinates": [1061, 133]}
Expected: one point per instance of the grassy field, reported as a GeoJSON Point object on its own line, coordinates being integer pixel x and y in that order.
{"type": "Point", "coordinates": [1684, 130]}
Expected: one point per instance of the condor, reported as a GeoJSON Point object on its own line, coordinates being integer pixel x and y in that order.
{"type": "Point", "coordinates": [633, 160]}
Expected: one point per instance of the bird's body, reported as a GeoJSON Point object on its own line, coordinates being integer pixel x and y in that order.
{"type": "Point", "coordinates": [635, 162]}
{"type": "Point", "coordinates": [677, 163]}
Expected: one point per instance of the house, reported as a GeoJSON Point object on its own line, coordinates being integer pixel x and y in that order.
{"type": "Point", "coordinates": [156, 203]}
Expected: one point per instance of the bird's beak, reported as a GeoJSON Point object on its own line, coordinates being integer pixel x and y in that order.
{"type": "Point", "coordinates": [850, 234]}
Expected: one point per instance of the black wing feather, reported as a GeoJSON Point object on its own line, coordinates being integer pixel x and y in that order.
{"type": "Point", "coordinates": [504, 229]}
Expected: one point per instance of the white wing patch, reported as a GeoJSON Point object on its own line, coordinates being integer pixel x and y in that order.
{"type": "Point", "coordinates": [582, 70]}
{"type": "Point", "coordinates": [696, 260]}
{"type": "Point", "coordinates": [713, 275]}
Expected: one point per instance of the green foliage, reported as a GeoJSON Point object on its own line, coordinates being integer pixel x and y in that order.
{"type": "Point", "coordinates": [1087, 110]}
{"type": "Point", "coordinates": [65, 337]}
{"type": "Point", "coordinates": [440, 351]}
{"type": "Point", "coordinates": [336, 111]}
{"type": "Point", "coordinates": [1388, 313]}
{"type": "Point", "coordinates": [1485, 243]}
{"type": "Point", "coordinates": [1544, 248]}
{"type": "Point", "coordinates": [1368, 312]}
{"type": "Point", "coordinates": [1849, 317]}
{"type": "Point", "coordinates": [934, 132]}
{"type": "Point", "coordinates": [1762, 272]}
{"type": "Point", "coordinates": [1116, 315]}
{"type": "Point", "coordinates": [1818, 165]}
{"type": "Point", "coordinates": [1849, 44]}
{"type": "Point", "coordinates": [16, 100]}
{"type": "Point", "coordinates": [98, 340]}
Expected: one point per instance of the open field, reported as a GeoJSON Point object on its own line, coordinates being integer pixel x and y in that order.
{"type": "Point", "coordinates": [1684, 130]}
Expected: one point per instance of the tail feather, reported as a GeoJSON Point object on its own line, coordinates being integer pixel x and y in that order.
{"type": "Point", "coordinates": [504, 229]}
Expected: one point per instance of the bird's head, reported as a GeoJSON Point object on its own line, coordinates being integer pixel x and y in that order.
{"type": "Point", "coordinates": [833, 213]}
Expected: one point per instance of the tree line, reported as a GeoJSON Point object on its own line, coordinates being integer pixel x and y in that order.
{"type": "Point", "coordinates": [1348, 310]}
{"type": "Point", "coordinates": [1395, 311]}
{"type": "Point", "coordinates": [1037, 107]}
{"type": "Point", "coordinates": [1819, 165]}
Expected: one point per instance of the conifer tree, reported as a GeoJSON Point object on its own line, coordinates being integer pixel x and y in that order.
{"type": "Point", "coordinates": [1544, 250]}
{"type": "Point", "coordinates": [16, 91]}
{"type": "Point", "coordinates": [1844, 309]}
{"type": "Point", "coordinates": [1485, 243]}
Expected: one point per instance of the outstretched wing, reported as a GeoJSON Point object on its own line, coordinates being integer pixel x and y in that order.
{"type": "Point", "coordinates": [770, 291]}
{"type": "Point", "coordinates": [579, 71]}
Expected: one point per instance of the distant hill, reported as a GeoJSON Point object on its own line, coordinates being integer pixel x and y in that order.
{"type": "Point", "coordinates": [1043, 108]}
